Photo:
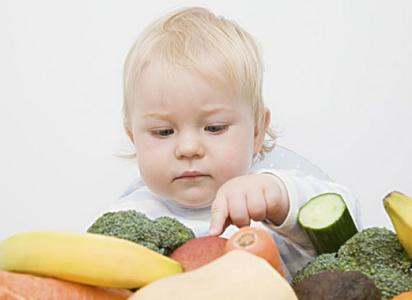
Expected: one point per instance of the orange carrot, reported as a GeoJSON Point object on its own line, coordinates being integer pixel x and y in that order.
{"type": "Point", "coordinates": [404, 296]}
{"type": "Point", "coordinates": [19, 286]}
{"type": "Point", "coordinates": [6, 294]}
{"type": "Point", "coordinates": [256, 241]}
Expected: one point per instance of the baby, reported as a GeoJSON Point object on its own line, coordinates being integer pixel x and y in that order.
{"type": "Point", "coordinates": [194, 112]}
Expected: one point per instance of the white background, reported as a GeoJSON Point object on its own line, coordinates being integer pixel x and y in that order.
{"type": "Point", "coordinates": [338, 81]}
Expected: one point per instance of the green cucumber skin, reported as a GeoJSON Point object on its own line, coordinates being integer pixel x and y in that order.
{"type": "Point", "coordinates": [330, 238]}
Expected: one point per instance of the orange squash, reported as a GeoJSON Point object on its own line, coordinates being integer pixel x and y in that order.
{"type": "Point", "coordinates": [236, 275]}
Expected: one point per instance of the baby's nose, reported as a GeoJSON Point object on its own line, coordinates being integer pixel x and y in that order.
{"type": "Point", "coordinates": [189, 146]}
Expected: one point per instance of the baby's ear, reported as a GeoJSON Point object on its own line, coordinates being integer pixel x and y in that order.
{"type": "Point", "coordinates": [260, 131]}
{"type": "Point", "coordinates": [129, 132]}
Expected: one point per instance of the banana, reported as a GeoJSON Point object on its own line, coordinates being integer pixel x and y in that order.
{"type": "Point", "coordinates": [399, 208]}
{"type": "Point", "coordinates": [85, 258]}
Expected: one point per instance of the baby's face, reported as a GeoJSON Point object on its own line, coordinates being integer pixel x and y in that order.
{"type": "Point", "coordinates": [190, 137]}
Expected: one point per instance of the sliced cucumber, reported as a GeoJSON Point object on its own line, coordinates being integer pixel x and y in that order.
{"type": "Point", "coordinates": [326, 220]}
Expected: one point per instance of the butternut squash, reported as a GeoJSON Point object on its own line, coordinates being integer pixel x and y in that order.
{"type": "Point", "coordinates": [236, 275]}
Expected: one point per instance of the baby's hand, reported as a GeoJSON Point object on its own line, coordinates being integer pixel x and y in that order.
{"type": "Point", "coordinates": [256, 197]}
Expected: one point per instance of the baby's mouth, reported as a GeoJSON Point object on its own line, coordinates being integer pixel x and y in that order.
{"type": "Point", "coordinates": [190, 175]}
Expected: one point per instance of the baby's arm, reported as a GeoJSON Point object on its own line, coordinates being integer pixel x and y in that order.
{"type": "Point", "coordinates": [278, 209]}
{"type": "Point", "coordinates": [301, 188]}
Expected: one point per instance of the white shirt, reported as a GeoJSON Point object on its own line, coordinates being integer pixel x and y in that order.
{"type": "Point", "coordinates": [294, 245]}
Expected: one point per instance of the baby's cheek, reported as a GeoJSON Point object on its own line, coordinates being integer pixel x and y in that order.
{"type": "Point", "coordinates": [236, 165]}
{"type": "Point", "coordinates": [153, 171]}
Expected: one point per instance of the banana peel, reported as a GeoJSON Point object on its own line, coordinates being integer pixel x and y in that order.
{"type": "Point", "coordinates": [85, 258]}
{"type": "Point", "coordinates": [399, 208]}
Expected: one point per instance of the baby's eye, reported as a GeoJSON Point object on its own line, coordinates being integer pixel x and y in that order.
{"type": "Point", "coordinates": [163, 132]}
{"type": "Point", "coordinates": [216, 128]}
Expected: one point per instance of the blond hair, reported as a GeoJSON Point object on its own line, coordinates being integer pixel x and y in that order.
{"type": "Point", "coordinates": [210, 46]}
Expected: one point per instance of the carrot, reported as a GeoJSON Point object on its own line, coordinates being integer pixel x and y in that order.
{"type": "Point", "coordinates": [6, 294]}
{"type": "Point", "coordinates": [256, 241]}
{"type": "Point", "coordinates": [404, 296]}
{"type": "Point", "coordinates": [19, 286]}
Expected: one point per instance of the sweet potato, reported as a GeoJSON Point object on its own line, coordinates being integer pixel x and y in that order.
{"type": "Point", "coordinates": [19, 286]}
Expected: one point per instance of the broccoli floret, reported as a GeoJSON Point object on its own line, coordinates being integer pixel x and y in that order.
{"type": "Point", "coordinates": [377, 253]}
{"type": "Point", "coordinates": [162, 235]}
{"type": "Point", "coordinates": [390, 282]}
{"type": "Point", "coordinates": [172, 233]}
{"type": "Point", "coordinates": [374, 248]}
{"type": "Point", "coordinates": [129, 225]}
{"type": "Point", "coordinates": [323, 262]}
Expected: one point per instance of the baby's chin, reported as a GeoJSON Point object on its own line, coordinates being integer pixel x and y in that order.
{"type": "Point", "coordinates": [193, 203]}
{"type": "Point", "coordinates": [192, 197]}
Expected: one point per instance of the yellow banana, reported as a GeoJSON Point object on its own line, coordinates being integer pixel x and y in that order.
{"type": "Point", "coordinates": [399, 208]}
{"type": "Point", "coordinates": [85, 258]}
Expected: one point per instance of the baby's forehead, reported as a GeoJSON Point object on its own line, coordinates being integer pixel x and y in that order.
{"type": "Point", "coordinates": [166, 72]}
{"type": "Point", "coordinates": [162, 81]}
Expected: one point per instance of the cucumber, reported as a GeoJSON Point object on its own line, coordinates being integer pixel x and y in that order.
{"type": "Point", "coordinates": [327, 221]}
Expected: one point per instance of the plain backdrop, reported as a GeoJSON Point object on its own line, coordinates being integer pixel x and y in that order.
{"type": "Point", "coordinates": [338, 79]}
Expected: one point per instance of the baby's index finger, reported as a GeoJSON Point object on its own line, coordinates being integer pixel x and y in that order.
{"type": "Point", "coordinates": [217, 223]}
{"type": "Point", "coordinates": [219, 216]}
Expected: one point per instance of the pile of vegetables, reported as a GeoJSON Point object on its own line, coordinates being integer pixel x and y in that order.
{"type": "Point", "coordinates": [378, 253]}
{"type": "Point", "coordinates": [163, 259]}
{"type": "Point", "coordinates": [375, 252]}
{"type": "Point", "coordinates": [237, 274]}
{"type": "Point", "coordinates": [245, 266]}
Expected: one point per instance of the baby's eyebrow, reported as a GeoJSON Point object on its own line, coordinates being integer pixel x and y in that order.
{"type": "Point", "coordinates": [208, 110]}
{"type": "Point", "coordinates": [205, 111]}
{"type": "Point", "coordinates": [156, 115]}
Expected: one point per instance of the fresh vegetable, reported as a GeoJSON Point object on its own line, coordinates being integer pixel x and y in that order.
{"type": "Point", "coordinates": [377, 253]}
{"type": "Point", "coordinates": [404, 296]}
{"type": "Point", "coordinates": [6, 294]}
{"type": "Point", "coordinates": [399, 208]}
{"type": "Point", "coordinates": [258, 242]}
{"type": "Point", "coordinates": [327, 221]}
{"type": "Point", "coordinates": [24, 286]}
{"type": "Point", "coordinates": [85, 258]}
{"type": "Point", "coordinates": [199, 251]}
{"type": "Point", "coordinates": [172, 234]}
{"type": "Point", "coordinates": [334, 285]}
{"type": "Point", "coordinates": [235, 275]}
{"type": "Point", "coordinates": [162, 235]}
{"type": "Point", "coordinates": [323, 262]}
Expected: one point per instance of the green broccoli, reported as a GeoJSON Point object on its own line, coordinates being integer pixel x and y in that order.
{"type": "Point", "coordinates": [162, 235]}
{"type": "Point", "coordinates": [172, 233]}
{"type": "Point", "coordinates": [323, 262]}
{"type": "Point", "coordinates": [377, 253]}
